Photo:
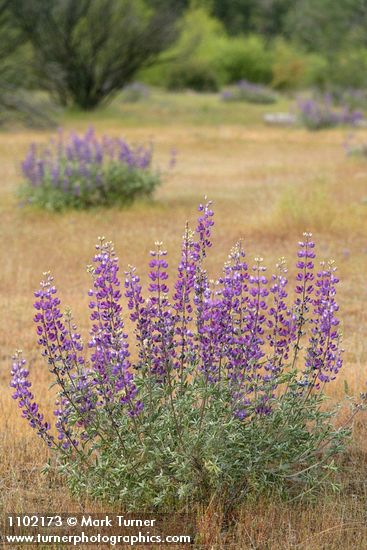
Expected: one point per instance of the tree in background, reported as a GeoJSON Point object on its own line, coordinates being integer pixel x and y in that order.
{"type": "Point", "coordinates": [16, 76]}
{"type": "Point", "coordinates": [329, 26]}
{"type": "Point", "coordinates": [262, 16]}
{"type": "Point", "coordinates": [235, 14]}
{"type": "Point", "coordinates": [338, 31]}
{"type": "Point", "coordinates": [85, 51]}
{"type": "Point", "coordinates": [269, 16]}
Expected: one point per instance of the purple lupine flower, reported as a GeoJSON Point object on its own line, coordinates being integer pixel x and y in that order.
{"type": "Point", "coordinates": [254, 324]}
{"type": "Point", "coordinates": [143, 156]}
{"type": "Point", "coordinates": [62, 348]}
{"type": "Point", "coordinates": [141, 313]}
{"type": "Point", "coordinates": [324, 356]}
{"type": "Point", "coordinates": [98, 152]}
{"type": "Point", "coordinates": [304, 289]}
{"type": "Point", "coordinates": [203, 228]}
{"type": "Point", "coordinates": [30, 410]}
{"type": "Point", "coordinates": [201, 283]}
{"type": "Point", "coordinates": [212, 336]}
{"type": "Point", "coordinates": [235, 300]}
{"type": "Point", "coordinates": [124, 152]}
{"type": "Point", "coordinates": [255, 315]}
{"type": "Point", "coordinates": [110, 358]}
{"type": "Point", "coordinates": [55, 175]}
{"type": "Point", "coordinates": [162, 316]}
{"type": "Point", "coordinates": [182, 298]}
{"type": "Point", "coordinates": [29, 165]}
{"type": "Point", "coordinates": [278, 322]}
{"type": "Point", "coordinates": [84, 170]}
{"type": "Point", "coordinates": [248, 378]}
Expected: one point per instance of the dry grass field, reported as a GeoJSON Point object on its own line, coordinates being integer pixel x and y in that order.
{"type": "Point", "coordinates": [268, 185]}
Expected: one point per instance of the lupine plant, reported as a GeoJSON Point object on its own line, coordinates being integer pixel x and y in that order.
{"type": "Point", "coordinates": [354, 98]}
{"type": "Point", "coordinates": [80, 171]}
{"type": "Point", "coordinates": [249, 92]}
{"type": "Point", "coordinates": [219, 391]}
{"type": "Point", "coordinates": [136, 91]}
{"type": "Point", "coordinates": [320, 113]}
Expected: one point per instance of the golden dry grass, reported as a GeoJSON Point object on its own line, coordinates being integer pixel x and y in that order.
{"type": "Point", "coordinates": [269, 185]}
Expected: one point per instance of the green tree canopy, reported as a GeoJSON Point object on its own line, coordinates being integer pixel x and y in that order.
{"type": "Point", "coordinates": [262, 16]}
{"type": "Point", "coordinates": [329, 26]}
{"type": "Point", "coordinates": [87, 50]}
{"type": "Point", "coordinates": [16, 76]}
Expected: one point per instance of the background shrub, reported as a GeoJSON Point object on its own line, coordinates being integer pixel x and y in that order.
{"type": "Point", "coordinates": [193, 75]}
{"type": "Point", "coordinates": [194, 47]}
{"type": "Point", "coordinates": [83, 171]}
{"type": "Point", "coordinates": [247, 58]}
{"type": "Point", "coordinates": [349, 69]}
{"type": "Point", "coordinates": [293, 69]}
{"type": "Point", "coordinates": [218, 402]}
{"type": "Point", "coordinates": [205, 44]}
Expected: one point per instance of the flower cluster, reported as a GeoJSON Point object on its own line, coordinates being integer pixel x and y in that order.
{"type": "Point", "coordinates": [110, 358]}
{"type": "Point", "coordinates": [82, 171]}
{"type": "Point", "coordinates": [21, 384]}
{"type": "Point", "coordinates": [239, 329]}
{"type": "Point", "coordinates": [316, 114]}
{"type": "Point", "coordinates": [249, 92]}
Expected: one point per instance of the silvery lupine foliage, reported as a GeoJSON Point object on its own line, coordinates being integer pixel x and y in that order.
{"type": "Point", "coordinates": [218, 390]}
{"type": "Point", "coordinates": [80, 171]}
{"type": "Point", "coordinates": [250, 92]}
{"type": "Point", "coordinates": [320, 113]}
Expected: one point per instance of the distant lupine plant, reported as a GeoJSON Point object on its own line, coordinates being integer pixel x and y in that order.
{"type": "Point", "coordinates": [354, 98]}
{"type": "Point", "coordinates": [136, 91]}
{"type": "Point", "coordinates": [247, 91]}
{"type": "Point", "coordinates": [82, 171]}
{"type": "Point", "coordinates": [218, 392]}
{"type": "Point", "coordinates": [320, 113]}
